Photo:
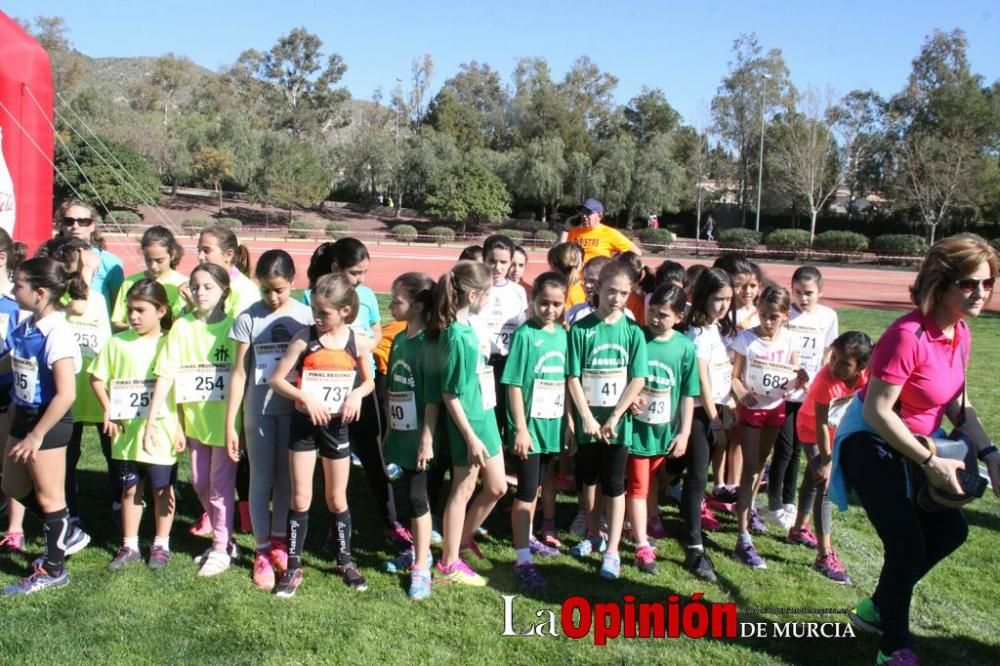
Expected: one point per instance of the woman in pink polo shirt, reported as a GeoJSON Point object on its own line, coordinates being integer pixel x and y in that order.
{"type": "Point", "coordinates": [917, 378]}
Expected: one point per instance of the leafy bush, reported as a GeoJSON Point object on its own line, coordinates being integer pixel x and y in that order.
{"type": "Point", "coordinates": [546, 236]}
{"type": "Point", "coordinates": [841, 242]}
{"type": "Point", "coordinates": [525, 215]}
{"type": "Point", "coordinates": [739, 239]}
{"type": "Point", "coordinates": [787, 239]}
{"type": "Point", "coordinates": [515, 235]}
{"type": "Point", "coordinates": [118, 218]}
{"type": "Point", "coordinates": [301, 228]}
{"type": "Point", "coordinates": [404, 233]}
{"type": "Point", "coordinates": [656, 239]}
{"type": "Point", "coordinates": [229, 223]}
{"type": "Point", "coordinates": [441, 234]}
{"type": "Point", "coordinates": [194, 226]}
{"type": "Point", "coordinates": [899, 245]}
{"type": "Point", "coordinates": [336, 229]}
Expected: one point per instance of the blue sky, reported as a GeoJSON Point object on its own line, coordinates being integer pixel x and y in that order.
{"type": "Point", "coordinates": [680, 47]}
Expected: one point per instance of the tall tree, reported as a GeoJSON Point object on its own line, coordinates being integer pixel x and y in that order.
{"type": "Point", "coordinates": [468, 192]}
{"type": "Point", "coordinates": [212, 166]}
{"type": "Point", "coordinates": [649, 113]}
{"type": "Point", "coordinates": [295, 174]}
{"type": "Point", "coordinates": [157, 92]}
{"type": "Point", "coordinates": [538, 174]}
{"type": "Point", "coordinates": [858, 123]}
{"type": "Point", "coordinates": [69, 67]}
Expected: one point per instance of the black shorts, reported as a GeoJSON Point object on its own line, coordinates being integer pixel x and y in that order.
{"type": "Point", "coordinates": [25, 420]}
{"type": "Point", "coordinates": [130, 473]}
{"type": "Point", "coordinates": [332, 441]}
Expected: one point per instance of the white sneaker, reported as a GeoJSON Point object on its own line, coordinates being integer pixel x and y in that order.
{"type": "Point", "coordinates": [232, 550]}
{"type": "Point", "coordinates": [775, 517]}
{"type": "Point", "coordinates": [216, 562]}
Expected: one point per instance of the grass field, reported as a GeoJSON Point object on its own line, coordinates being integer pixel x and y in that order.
{"type": "Point", "coordinates": [171, 616]}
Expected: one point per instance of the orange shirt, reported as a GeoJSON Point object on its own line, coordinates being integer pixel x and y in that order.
{"type": "Point", "coordinates": [604, 241]}
{"type": "Point", "coordinates": [381, 353]}
{"type": "Point", "coordinates": [637, 304]}
{"type": "Point", "coordinates": [825, 390]}
{"type": "Point", "coordinates": [575, 295]}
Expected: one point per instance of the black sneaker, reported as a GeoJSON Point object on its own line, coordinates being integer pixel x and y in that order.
{"type": "Point", "coordinates": [699, 564]}
{"type": "Point", "coordinates": [288, 583]}
{"type": "Point", "coordinates": [352, 577]}
{"type": "Point", "coordinates": [123, 558]}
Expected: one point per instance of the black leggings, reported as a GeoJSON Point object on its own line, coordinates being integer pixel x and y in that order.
{"type": "Point", "coordinates": [813, 495]}
{"type": "Point", "coordinates": [914, 540]}
{"type": "Point", "coordinates": [530, 473]}
{"type": "Point", "coordinates": [416, 483]}
{"type": "Point", "coordinates": [73, 453]}
{"type": "Point", "coordinates": [366, 438]}
{"type": "Point", "coordinates": [695, 461]}
{"type": "Point", "coordinates": [784, 474]}
{"type": "Point", "coordinates": [604, 463]}
{"type": "Point", "coordinates": [439, 467]}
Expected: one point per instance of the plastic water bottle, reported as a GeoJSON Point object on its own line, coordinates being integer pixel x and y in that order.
{"type": "Point", "coordinates": [393, 471]}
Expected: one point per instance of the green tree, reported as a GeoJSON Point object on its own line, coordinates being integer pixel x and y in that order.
{"type": "Point", "coordinates": [472, 106]}
{"type": "Point", "coordinates": [858, 122]}
{"type": "Point", "coordinates": [93, 171]}
{"type": "Point", "coordinates": [294, 174]}
{"type": "Point", "coordinates": [468, 192]}
{"type": "Point", "coordinates": [212, 166]}
{"type": "Point", "coordinates": [158, 91]}
{"type": "Point", "coordinates": [69, 67]}
{"type": "Point", "coordinates": [649, 113]}
{"type": "Point", "coordinates": [538, 174]}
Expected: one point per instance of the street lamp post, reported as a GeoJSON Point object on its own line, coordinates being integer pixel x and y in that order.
{"type": "Point", "coordinates": [760, 159]}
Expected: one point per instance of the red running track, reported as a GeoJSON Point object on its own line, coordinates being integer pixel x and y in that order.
{"type": "Point", "coordinates": [859, 287]}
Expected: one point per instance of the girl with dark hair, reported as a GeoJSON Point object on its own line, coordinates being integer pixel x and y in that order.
{"type": "Point", "coordinates": [162, 254]}
{"type": "Point", "coordinates": [218, 245]}
{"type": "Point", "coordinates": [78, 219]}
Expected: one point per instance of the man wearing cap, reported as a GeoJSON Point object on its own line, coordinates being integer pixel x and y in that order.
{"type": "Point", "coordinates": [596, 239]}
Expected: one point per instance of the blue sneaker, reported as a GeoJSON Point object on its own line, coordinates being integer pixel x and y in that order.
{"type": "Point", "coordinates": [757, 525]}
{"type": "Point", "coordinates": [611, 567]}
{"type": "Point", "coordinates": [528, 576]}
{"type": "Point", "coordinates": [420, 584]}
{"type": "Point", "coordinates": [746, 554]}
{"type": "Point", "coordinates": [39, 580]}
{"type": "Point", "coordinates": [588, 546]}
{"type": "Point", "coordinates": [404, 562]}
{"type": "Point", "coordinates": [542, 550]}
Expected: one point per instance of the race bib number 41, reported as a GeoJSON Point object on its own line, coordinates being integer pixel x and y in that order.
{"type": "Point", "coordinates": [130, 398]}
{"type": "Point", "coordinates": [202, 382]}
{"type": "Point", "coordinates": [488, 388]}
{"type": "Point", "coordinates": [604, 387]}
{"type": "Point", "coordinates": [331, 387]}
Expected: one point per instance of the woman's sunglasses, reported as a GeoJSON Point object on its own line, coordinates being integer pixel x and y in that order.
{"type": "Point", "coordinates": [968, 285]}
{"type": "Point", "coordinates": [78, 221]}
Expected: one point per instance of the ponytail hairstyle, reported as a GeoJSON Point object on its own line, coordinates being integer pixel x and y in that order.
{"type": "Point", "coordinates": [275, 263]}
{"type": "Point", "coordinates": [418, 288]}
{"type": "Point", "coordinates": [672, 296]}
{"type": "Point", "coordinates": [452, 292]}
{"type": "Point", "coordinates": [709, 282]}
{"type": "Point", "coordinates": [644, 277]}
{"type": "Point", "coordinates": [96, 239]}
{"type": "Point", "coordinates": [153, 293]}
{"type": "Point", "coordinates": [338, 292]}
{"type": "Point", "coordinates": [856, 345]}
{"type": "Point", "coordinates": [219, 274]}
{"type": "Point", "coordinates": [321, 263]}
{"type": "Point", "coordinates": [67, 252]}
{"type": "Point", "coordinates": [160, 235]}
{"type": "Point", "coordinates": [47, 273]}
{"type": "Point", "coordinates": [567, 258]}
{"type": "Point", "coordinates": [348, 252]}
{"type": "Point", "coordinates": [775, 298]}
{"type": "Point", "coordinates": [228, 241]}
{"type": "Point", "coordinates": [16, 251]}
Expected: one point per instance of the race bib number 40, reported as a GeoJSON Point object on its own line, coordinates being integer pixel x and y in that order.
{"type": "Point", "coordinates": [769, 379]}
{"type": "Point", "coordinates": [130, 398]}
{"type": "Point", "coordinates": [331, 387]}
{"type": "Point", "coordinates": [548, 399]}
{"type": "Point", "coordinates": [604, 387]}
{"type": "Point", "coordinates": [657, 409]}
{"type": "Point", "coordinates": [202, 382]}
{"type": "Point", "coordinates": [25, 378]}
{"type": "Point", "coordinates": [402, 411]}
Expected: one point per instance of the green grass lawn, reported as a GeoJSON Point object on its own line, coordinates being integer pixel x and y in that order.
{"type": "Point", "coordinates": [172, 616]}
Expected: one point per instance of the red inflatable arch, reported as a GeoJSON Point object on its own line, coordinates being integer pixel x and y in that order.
{"type": "Point", "coordinates": [26, 180]}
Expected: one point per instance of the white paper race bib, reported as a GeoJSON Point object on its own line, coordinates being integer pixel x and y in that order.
{"type": "Point", "coordinates": [202, 382]}
{"type": "Point", "coordinates": [810, 347]}
{"type": "Point", "coordinates": [548, 399]}
{"type": "Point", "coordinates": [657, 409]}
{"type": "Point", "coordinates": [837, 409]}
{"type": "Point", "coordinates": [331, 387]}
{"type": "Point", "coordinates": [265, 359]}
{"type": "Point", "coordinates": [402, 411]}
{"type": "Point", "coordinates": [487, 387]}
{"type": "Point", "coordinates": [603, 388]}
{"type": "Point", "coordinates": [25, 378]}
{"type": "Point", "coordinates": [720, 374]}
{"type": "Point", "coordinates": [769, 379]}
{"type": "Point", "coordinates": [130, 398]}
{"type": "Point", "coordinates": [90, 336]}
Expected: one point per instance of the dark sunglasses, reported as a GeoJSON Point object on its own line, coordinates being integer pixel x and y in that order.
{"type": "Point", "coordinates": [969, 285]}
{"type": "Point", "coordinates": [79, 221]}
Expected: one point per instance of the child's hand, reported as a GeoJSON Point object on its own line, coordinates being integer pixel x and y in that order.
{"type": "Point", "coordinates": [233, 445]}
{"type": "Point", "coordinates": [802, 379]}
{"type": "Point", "coordinates": [352, 408]}
{"type": "Point", "coordinates": [638, 405]}
{"type": "Point", "coordinates": [679, 446]}
{"type": "Point", "coordinates": [148, 438]}
{"type": "Point", "coordinates": [111, 428]}
{"type": "Point", "coordinates": [426, 451]}
{"type": "Point", "coordinates": [522, 444]}
{"type": "Point", "coordinates": [749, 399]}
{"type": "Point", "coordinates": [185, 291]}
{"type": "Point", "coordinates": [316, 410]}
{"type": "Point", "coordinates": [476, 452]}
{"type": "Point", "coordinates": [180, 442]}
{"type": "Point", "coordinates": [591, 428]}
{"type": "Point", "coordinates": [609, 430]}
{"type": "Point", "coordinates": [27, 449]}
{"type": "Point", "coordinates": [822, 474]}
{"type": "Point", "coordinates": [569, 442]}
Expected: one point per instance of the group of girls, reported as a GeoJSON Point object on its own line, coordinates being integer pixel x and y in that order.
{"type": "Point", "coordinates": [250, 374]}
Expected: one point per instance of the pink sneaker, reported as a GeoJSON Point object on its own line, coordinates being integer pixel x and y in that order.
{"type": "Point", "coordinates": [399, 536]}
{"type": "Point", "coordinates": [549, 537]}
{"type": "Point", "coordinates": [716, 504]}
{"type": "Point", "coordinates": [13, 542]}
{"type": "Point", "coordinates": [709, 523]}
{"type": "Point", "coordinates": [202, 527]}
{"type": "Point", "coordinates": [263, 572]}
{"type": "Point", "coordinates": [655, 529]}
{"type": "Point", "coordinates": [803, 537]}
{"type": "Point", "coordinates": [279, 554]}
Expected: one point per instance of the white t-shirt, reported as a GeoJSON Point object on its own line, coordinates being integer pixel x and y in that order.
{"type": "Point", "coordinates": [815, 331]}
{"type": "Point", "coordinates": [709, 347]}
{"type": "Point", "coordinates": [768, 372]}
{"type": "Point", "coordinates": [505, 311]}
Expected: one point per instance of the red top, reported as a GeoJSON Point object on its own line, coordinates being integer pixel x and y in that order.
{"type": "Point", "coordinates": [825, 390]}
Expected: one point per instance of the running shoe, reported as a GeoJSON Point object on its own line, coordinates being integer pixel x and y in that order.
{"type": "Point", "coordinates": [263, 571]}
{"type": "Point", "coordinates": [803, 537]}
{"type": "Point", "coordinates": [528, 576]}
{"type": "Point", "coordinates": [700, 565]}
{"type": "Point", "coordinates": [436, 538]}
{"type": "Point", "coordinates": [757, 525]}
{"type": "Point", "coordinates": [124, 557]}
{"type": "Point", "coordinates": [549, 537]}
{"type": "Point", "coordinates": [709, 523]}
{"type": "Point", "coordinates": [76, 541]}
{"type": "Point", "coordinates": [470, 553]}
{"type": "Point", "coordinates": [779, 518]}
{"type": "Point", "coordinates": [38, 580]}
{"type": "Point", "coordinates": [541, 549]}
{"type": "Point", "coordinates": [398, 536]}
{"type": "Point", "coordinates": [352, 577]}
{"type": "Point", "coordinates": [746, 554]}
{"type": "Point", "coordinates": [460, 573]}
{"type": "Point", "coordinates": [716, 504]}
{"type": "Point", "coordinates": [288, 583]}
{"type": "Point", "coordinates": [726, 495]}
{"type": "Point", "coordinates": [791, 510]}
{"type": "Point", "coordinates": [611, 567]}
{"type": "Point", "coordinates": [865, 616]}
{"type": "Point", "coordinates": [215, 563]}
{"type": "Point", "coordinates": [645, 559]}
{"type": "Point", "coordinates": [404, 562]}
{"type": "Point", "coordinates": [279, 554]}
{"type": "Point", "coordinates": [233, 551]}
{"type": "Point", "coordinates": [655, 528]}
{"type": "Point", "coordinates": [420, 584]}
{"type": "Point", "coordinates": [246, 525]}
{"type": "Point", "coordinates": [902, 657]}
{"type": "Point", "coordinates": [830, 566]}
{"type": "Point", "coordinates": [589, 546]}
{"type": "Point", "coordinates": [159, 557]}
{"type": "Point", "coordinates": [578, 528]}
{"type": "Point", "coordinates": [13, 542]}
{"type": "Point", "coordinates": [202, 526]}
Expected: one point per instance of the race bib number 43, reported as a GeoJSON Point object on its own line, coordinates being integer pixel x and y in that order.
{"type": "Point", "coordinates": [202, 382]}
{"type": "Point", "coordinates": [657, 409]}
{"type": "Point", "coordinates": [604, 387]}
{"type": "Point", "coordinates": [547, 399]}
{"type": "Point", "coordinates": [331, 387]}
{"type": "Point", "coordinates": [130, 398]}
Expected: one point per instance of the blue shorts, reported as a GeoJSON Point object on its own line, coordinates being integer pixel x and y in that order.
{"type": "Point", "coordinates": [130, 473]}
